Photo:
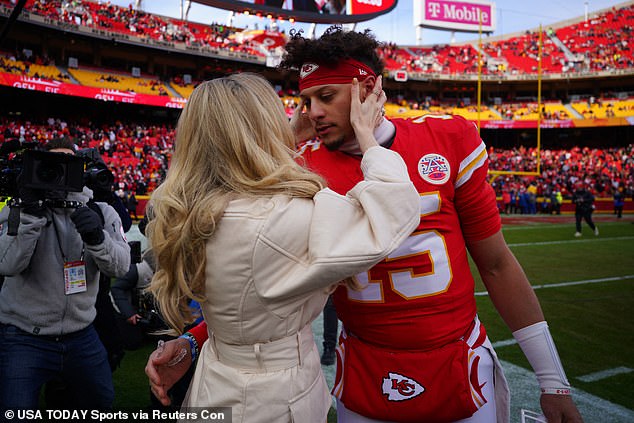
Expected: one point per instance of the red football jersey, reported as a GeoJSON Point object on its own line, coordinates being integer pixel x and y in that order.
{"type": "Point", "coordinates": [421, 296]}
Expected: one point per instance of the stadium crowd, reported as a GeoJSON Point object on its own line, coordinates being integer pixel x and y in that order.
{"type": "Point", "coordinates": [138, 155]}
{"type": "Point", "coordinates": [600, 43]}
{"type": "Point", "coordinates": [604, 172]}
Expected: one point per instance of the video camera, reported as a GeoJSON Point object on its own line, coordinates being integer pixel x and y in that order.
{"type": "Point", "coordinates": [97, 176]}
{"type": "Point", "coordinates": [23, 165]}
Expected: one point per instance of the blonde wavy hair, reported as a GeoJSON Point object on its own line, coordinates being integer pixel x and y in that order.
{"type": "Point", "coordinates": [233, 139]}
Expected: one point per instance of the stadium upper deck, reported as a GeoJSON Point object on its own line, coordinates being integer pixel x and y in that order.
{"type": "Point", "coordinates": [574, 48]}
{"type": "Point", "coordinates": [126, 55]}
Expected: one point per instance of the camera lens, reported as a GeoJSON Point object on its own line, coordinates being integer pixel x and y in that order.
{"type": "Point", "coordinates": [49, 172]}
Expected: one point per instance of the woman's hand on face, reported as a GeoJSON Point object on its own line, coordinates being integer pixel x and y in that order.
{"type": "Point", "coordinates": [367, 115]}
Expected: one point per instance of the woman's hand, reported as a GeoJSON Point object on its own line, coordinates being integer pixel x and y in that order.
{"type": "Point", "coordinates": [366, 116]}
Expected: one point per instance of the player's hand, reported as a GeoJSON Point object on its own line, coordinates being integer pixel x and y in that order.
{"type": "Point", "coordinates": [166, 365]}
{"type": "Point", "coordinates": [364, 116]}
{"type": "Point", "coordinates": [560, 409]}
{"type": "Point", "coordinates": [301, 124]}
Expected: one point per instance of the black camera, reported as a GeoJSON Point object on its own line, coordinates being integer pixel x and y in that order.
{"type": "Point", "coordinates": [97, 176]}
{"type": "Point", "coordinates": [23, 166]}
{"type": "Point", "coordinates": [48, 171]}
{"type": "Point", "coordinates": [151, 319]}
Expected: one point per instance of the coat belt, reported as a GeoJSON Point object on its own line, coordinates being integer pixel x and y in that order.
{"type": "Point", "coordinates": [275, 355]}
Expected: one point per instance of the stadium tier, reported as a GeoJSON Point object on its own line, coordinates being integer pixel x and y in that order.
{"type": "Point", "coordinates": [74, 53]}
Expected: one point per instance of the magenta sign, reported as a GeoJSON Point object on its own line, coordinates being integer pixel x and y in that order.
{"type": "Point", "coordinates": [468, 16]}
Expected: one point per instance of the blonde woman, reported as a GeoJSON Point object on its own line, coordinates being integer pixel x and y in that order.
{"type": "Point", "coordinates": [240, 227]}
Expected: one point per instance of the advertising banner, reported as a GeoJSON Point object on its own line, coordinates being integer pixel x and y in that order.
{"type": "Point", "coordinates": [455, 15]}
{"type": "Point", "coordinates": [63, 88]}
{"type": "Point", "coordinates": [314, 11]}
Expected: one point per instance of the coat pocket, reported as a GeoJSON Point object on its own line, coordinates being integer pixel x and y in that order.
{"type": "Point", "coordinates": [313, 404]}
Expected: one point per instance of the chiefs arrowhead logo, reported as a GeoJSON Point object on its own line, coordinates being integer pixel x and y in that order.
{"type": "Point", "coordinates": [400, 388]}
{"type": "Point", "coordinates": [307, 69]}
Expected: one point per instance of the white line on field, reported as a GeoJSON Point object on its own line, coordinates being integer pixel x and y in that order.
{"type": "Point", "coordinates": [604, 374]}
{"type": "Point", "coordinates": [504, 343]}
{"type": "Point", "coordinates": [567, 241]}
{"type": "Point", "coordinates": [536, 225]}
{"type": "Point", "coordinates": [525, 394]}
{"type": "Point", "coordinates": [583, 282]}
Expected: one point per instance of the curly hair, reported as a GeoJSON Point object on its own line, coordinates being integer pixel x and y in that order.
{"type": "Point", "coordinates": [335, 44]}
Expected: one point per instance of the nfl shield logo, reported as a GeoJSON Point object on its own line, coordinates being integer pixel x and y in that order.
{"type": "Point", "coordinates": [434, 169]}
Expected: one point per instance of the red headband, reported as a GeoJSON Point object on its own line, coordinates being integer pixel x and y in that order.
{"type": "Point", "coordinates": [342, 72]}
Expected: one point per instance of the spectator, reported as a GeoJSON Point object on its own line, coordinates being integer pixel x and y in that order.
{"type": "Point", "coordinates": [132, 205]}
{"type": "Point", "coordinates": [506, 201]}
{"type": "Point", "coordinates": [619, 202]}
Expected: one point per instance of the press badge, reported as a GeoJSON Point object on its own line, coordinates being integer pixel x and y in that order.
{"type": "Point", "coordinates": [75, 277]}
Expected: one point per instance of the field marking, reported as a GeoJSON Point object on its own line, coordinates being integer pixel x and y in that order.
{"type": "Point", "coordinates": [604, 374]}
{"type": "Point", "coordinates": [525, 394]}
{"type": "Point", "coordinates": [504, 343]}
{"type": "Point", "coordinates": [594, 239]}
{"type": "Point", "coordinates": [572, 283]}
{"type": "Point", "coordinates": [536, 224]}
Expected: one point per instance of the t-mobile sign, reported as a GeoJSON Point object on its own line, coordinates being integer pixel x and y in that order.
{"type": "Point", "coordinates": [467, 16]}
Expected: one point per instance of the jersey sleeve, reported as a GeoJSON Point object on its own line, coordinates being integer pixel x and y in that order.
{"type": "Point", "coordinates": [475, 199]}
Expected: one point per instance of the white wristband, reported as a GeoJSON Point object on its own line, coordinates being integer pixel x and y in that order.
{"type": "Point", "coordinates": [539, 348]}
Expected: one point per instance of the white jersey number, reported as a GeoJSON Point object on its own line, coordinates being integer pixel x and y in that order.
{"type": "Point", "coordinates": [406, 282]}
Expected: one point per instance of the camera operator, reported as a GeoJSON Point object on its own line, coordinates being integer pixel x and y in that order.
{"type": "Point", "coordinates": [47, 304]}
{"type": "Point", "coordinates": [100, 180]}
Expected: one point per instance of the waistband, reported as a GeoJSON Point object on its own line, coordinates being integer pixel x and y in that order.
{"type": "Point", "coordinates": [280, 354]}
{"type": "Point", "coordinates": [474, 336]}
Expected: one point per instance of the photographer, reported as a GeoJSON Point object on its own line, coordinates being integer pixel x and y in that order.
{"type": "Point", "coordinates": [136, 319]}
{"type": "Point", "coordinates": [52, 265]}
{"type": "Point", "coordinates": [100, 180]}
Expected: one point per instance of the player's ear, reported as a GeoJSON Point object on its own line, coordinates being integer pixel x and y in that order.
{"type": "Point", "coordinates": [366, 87]}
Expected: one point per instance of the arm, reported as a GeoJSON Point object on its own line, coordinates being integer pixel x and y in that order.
{"type": "Point", "coordinates": [335, 236]}
{"type": "Point", "coordinates": [506, 282]}
{"type": "Point", "coordinates": [16, 251]}
{"type": "Point", "coordinates": [112, 254]}
{"type": "Point", "coordinates": [121, 293]}
{"type": "Point", "coordinates": [162, 375]}
{"type": "Point", "coordinates": [164, 368]}
{"type": "Point", "coordinates": [518, 305]}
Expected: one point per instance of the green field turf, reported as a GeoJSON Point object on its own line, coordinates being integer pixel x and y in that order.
{"type": "Point", "coordinates": [586, 288]}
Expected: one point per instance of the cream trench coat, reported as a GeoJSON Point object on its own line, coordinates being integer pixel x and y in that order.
{"type": "Point", "coordinates": [269, 265]}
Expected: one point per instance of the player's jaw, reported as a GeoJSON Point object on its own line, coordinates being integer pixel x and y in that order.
{"type": "Point", "coordinates": [330, 134]}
